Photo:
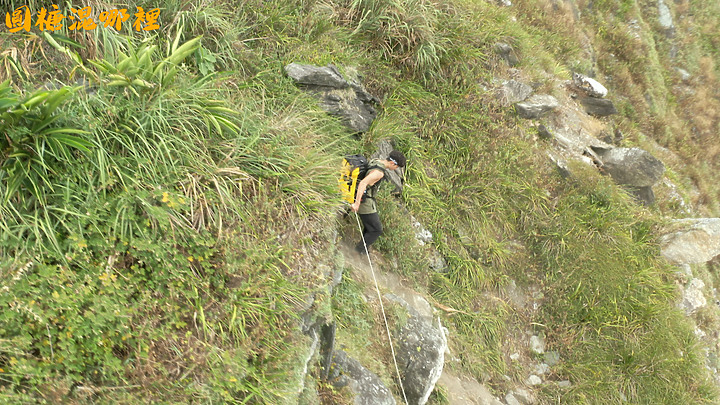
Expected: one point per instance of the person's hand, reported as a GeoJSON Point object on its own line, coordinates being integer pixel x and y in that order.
{"type": "Point", "coordinates": [356, 206]}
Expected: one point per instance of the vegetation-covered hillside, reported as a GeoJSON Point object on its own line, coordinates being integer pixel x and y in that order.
{"type": "Point", "coordinates": [169, 198]}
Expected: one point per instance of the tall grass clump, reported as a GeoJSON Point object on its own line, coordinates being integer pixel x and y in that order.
{"type": "Point", "coordinates": [405, 31]}
{"type": "Point", "coordinates": [132, 216]}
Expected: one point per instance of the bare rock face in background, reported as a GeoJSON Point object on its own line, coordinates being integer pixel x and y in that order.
{"type": "Point", "coordinates": [698, 241]}
{"type": "Point", "coordinates": [338, 96]}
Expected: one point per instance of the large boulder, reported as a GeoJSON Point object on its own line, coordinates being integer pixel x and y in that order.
{"type": "Point", "coordinates": [537, 106]}
{"type": "Point", "coordinates": [365, 385]}
{"type": "Point", "coordinates": [697, 241]}
{"type": "Point", "coordinates": [338, 96]}
{"type": "Point", "coordinates": [310, 75]}
{"type": "Point", "coordinates": [598, 107]}
{"type": "Point", "coordinates": [633, 167]}
{"type": "Point", "coordinates": [421, 353]}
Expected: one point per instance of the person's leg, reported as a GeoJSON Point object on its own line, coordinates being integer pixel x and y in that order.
{"type": "Point", "coordinates": [372, 228]}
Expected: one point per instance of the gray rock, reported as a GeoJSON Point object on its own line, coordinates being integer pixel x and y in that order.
{"type": "Point", "coordinates": [507, 53]}
{"type": "Point", "coordinates": [347, 100]}
{"type": "Point", "coordinates": [422, 235]}
{"type": "Point", "coordinates": [513, 92]}
{"type": "Point", "coordinates": [537, 106]}
{"type": "Point", "coordinates": [421, 355]}
{"type": "Point", "coordinates": [327, 76]}
{"type": "Point", "coordinates": [562, 167]}
{"type": "Point", "coordinates": [645, 195]}
{"type": "Point", "coordinates": [354, 112]}
{"type": "Point", "coordinates": [542, 369]}
{"type": "Point", "coordinates": [591, 86]}
{"type": "Point", "coordinates": [365, 385]}
{"type": "Point", "coordinates": [598, 107]}
{"type": "Point", "coordinates": [665, 18]}
{"type": "Point", "coordinates": [564, 384]}
{"type": "Point", "coordinates": [466, 391]}
{"type": "Point", "coordinates": [537, 344]}
{"type": "Point", "coordinates": [693, 297]}
{"type": "Point", "coordinates": [698, 241]}
{"type": "Point", "coordinates": [533, 380]}
{"type": "Point", "coordinates": [684, 74]}
{"type": "Point", "coordinates": [511, 400]}
{"type": "Point", "coordinates": [437, 262]}
{"type": "Point", "coordinates": [543, 132]}
{"type": "Point", "coordinates": [631, 166]}
{"type": "Point", "coordinates": [327, 349]}
{"type": "Point", "coordinates": [552, 358]}
{"type": "Point", "coordinates": [524, 396]}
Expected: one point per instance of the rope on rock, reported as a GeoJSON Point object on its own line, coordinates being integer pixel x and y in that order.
{"type": "Point", "coordinates": [382, 309]}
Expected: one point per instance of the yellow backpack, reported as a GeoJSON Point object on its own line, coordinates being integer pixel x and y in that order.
{"type": "Point", "coordinates": [354, 168]}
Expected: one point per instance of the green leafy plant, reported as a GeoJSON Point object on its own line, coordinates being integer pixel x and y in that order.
{"type": "Point", "coordinates": [34, 140]}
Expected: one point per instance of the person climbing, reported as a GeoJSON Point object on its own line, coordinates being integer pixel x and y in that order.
{"type": "Point", "coordinates": [365, 204]}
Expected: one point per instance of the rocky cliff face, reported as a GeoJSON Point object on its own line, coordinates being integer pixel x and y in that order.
{"type": "Point", "coordinates": [576, 120]}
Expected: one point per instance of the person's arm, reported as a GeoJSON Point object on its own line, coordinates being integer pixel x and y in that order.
{"type": "Point", "coordinates": [373, 177]}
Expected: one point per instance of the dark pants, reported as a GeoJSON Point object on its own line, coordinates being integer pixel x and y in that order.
{"type": "Point", "coordinates": [372, 228]}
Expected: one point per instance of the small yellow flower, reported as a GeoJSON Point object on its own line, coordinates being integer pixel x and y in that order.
{"type": "Point", "coordinates": [190, 258]}
{"type": "Point", "coordinates": [165, 197]}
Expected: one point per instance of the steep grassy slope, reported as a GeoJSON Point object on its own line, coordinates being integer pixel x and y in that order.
{"type": "Point", "coordinates": [161, 233]}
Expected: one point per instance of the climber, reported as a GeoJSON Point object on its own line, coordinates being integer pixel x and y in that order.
{"type": "Point", "coordinates": [365, 204]}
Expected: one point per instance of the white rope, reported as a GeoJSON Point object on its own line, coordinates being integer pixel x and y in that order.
{"type": "Point", "coordinates": [382, 308]}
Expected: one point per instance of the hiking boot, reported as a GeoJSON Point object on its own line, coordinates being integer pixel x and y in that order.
{"type": "Point", "coordinates": [360, 248]}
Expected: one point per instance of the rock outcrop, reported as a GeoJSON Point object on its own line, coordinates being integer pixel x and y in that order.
{"type": "Point", "coordinates": [698, 241]}
{"type": "Point", "coordinates": [633, 167]}
{"type": "Point", "coordinates": [537, 106]}
{"type": "Point", "coordinates": [693, 297]}
{"type": "Point", "coordinates": [513, 91]}
{"type": "Point", "coordinates": [365, 385]}
{"type": "Point", "coordinates": [599, 107]}
{"type": "Point", "coordinates": [338, 96]}
{"type": "Point", "coordinates": [421, 353]}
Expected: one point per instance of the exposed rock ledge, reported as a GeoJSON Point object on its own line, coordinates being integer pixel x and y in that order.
{"type": "Point", "coordinates": [698, 241]}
